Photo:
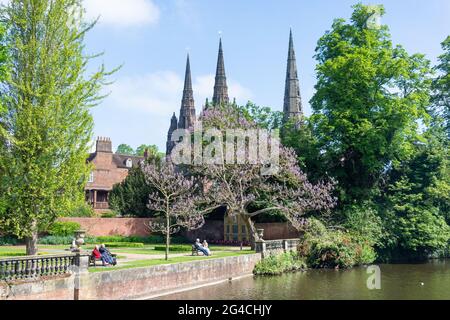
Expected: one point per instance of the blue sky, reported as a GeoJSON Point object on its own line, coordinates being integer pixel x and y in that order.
{"type": "Point", "coordinates": [150, 38]}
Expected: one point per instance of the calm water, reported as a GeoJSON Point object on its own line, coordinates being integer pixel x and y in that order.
{"type": "Point", "coordinates": [398, 281]}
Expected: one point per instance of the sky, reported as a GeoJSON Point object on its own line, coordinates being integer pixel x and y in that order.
{"type": "Point", "coordinates": [150, 40]}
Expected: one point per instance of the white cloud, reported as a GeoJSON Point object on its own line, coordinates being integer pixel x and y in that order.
{"type": "Point", "coordinates": [120, 13]}
{"type": "Point", "coordinates": [160, 93]}
{"type": "Point", "coordinates": [123, 13]}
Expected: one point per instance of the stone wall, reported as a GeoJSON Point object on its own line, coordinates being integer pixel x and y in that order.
{"type": "Point", "coordinates": [130, 284]}
{"type": "Point", "coordinates": [113, 226]}
{"type": "Point", "coordinates": [50, 288]}
{"type": "Point", "coordinates": [144, 282]}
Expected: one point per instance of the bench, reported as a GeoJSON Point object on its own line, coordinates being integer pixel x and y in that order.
{"type": "Point", "coordinates": [93, 260]}
{"type": "Point", "coordinates": [195, 251]}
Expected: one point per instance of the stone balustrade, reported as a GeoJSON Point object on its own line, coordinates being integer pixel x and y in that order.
{"type": "Point", "coordinates": [31, 267]}
{"type": "Point", "coordinates": [276, 246]}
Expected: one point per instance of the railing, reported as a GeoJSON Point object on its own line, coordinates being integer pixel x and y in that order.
{"type": "Point", "coordinates": [274, 246]}
{"type": "Point", "coordinates": [31, 267]}
{"type": "Point", "coordinates": [101, 205]}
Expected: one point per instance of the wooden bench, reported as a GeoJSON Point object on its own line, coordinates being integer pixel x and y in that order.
{"type": "Point", "coordinates": [93, 260]}
{"type": "Point", "coordinates": [195, 251]}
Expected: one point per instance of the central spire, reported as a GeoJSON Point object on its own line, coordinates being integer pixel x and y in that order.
{"type": "Point", "coordinates": [187, 111]}
{"type": "Point", "coordinates": [292, 99]}
{"type": "Point", "coordinates": [220, 87]}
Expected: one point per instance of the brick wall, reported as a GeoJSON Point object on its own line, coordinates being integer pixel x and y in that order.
{"type": "Point", "coordinates": [113, 226]}
{"type": "Point", "coordinates": [212, 230]}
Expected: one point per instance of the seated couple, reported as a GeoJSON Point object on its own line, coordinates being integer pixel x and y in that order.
{"type": "Point", "coordinates": [102, 253]}
{"type": "Point", "coordinates": [202, 247]}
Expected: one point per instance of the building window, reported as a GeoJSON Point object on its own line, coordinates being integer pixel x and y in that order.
{"type": "Point", "coordinates": [91, 177]}
{"type": "Point", "coordinates": [129, 163]}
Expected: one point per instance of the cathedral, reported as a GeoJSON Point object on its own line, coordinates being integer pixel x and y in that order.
{"type": "Point", "coordinates": [292, 107]}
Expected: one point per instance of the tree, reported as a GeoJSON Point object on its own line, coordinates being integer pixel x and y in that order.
{"type": "Point", "coordinates": [242, 186]}
{"type": "Point", "coordinates": [48, 124]}
{"type": "Point", "coordinates": [125, 149]}
{"type": "Point", "coordinates": [152, 149]}
{"type": "Point", "coordinates": [369, 99]}
{"type": "Point", "coordinates": [441, 86]}
{"type": "Point", "coordinates": [130, 197]}
{"type": "Point", "coordinates": [176, 200]}
{"type": "Point", "coordinates": [417, 199]}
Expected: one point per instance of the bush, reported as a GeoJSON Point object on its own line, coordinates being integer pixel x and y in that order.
{"type": "Point", "coordinates": [110, 214]}
{"type": "Point", "coordinates": [325, 248]}
{"type": "Point", "coordinates": [8, 241]}
{"type": "Point", "coordinates": [124, 244]}
{"type": "Point", "coordinates": [154, 239]}
{"type": "Point", "coordinates": [174, 248]}
{"type": "Point", "coordinates": [278, 264]}
{"type": "Point", "coordinates": [64, 240]}
{"type": "Point", "coordinates": [63, 228]}
{"type": "Point", "coordinates": [82, 211]}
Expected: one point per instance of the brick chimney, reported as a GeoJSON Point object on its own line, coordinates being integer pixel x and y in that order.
{"type": "Point", "coordinates": [104, 145]}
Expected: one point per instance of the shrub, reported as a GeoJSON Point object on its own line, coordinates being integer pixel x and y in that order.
{"type": "Point", "coordinates": [174, 248]}
{"type": "Point", "coordinates": [82, 211]}
{"type": "Point", "coordinates": [63, 228]}
{"type": "Point", "coordinates": [64, 240]}
{"type": "Point", "coordinates": [110, 214]}
{"type": "Point", "coordinates": [8, 241]}
{"type": "Point", "coordinates": [278, 264]}
{"type": "Point", "coordinates": [326, 248]}
{"type": "Point", "coordinates": [124, 244]}
{"type": "Point", "coordinates": [154, 239]}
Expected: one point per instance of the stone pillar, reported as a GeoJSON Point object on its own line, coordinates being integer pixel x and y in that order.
{"type": "Point", "coordinates": [260, 247]}
{"type": "Point", "coordinates": [285, 246]}
{"type": "Point", "coordinates": [81, 272]}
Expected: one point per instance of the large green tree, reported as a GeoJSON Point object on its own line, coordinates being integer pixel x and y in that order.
{"type": "Point", "coordinates": [441, 87]}
{"type": "Point", "coordinates": [125, 149]}
{"type": "Point", "coordinates": [370, 96]}
{"type": "Point", "coordinates": [48, 125]}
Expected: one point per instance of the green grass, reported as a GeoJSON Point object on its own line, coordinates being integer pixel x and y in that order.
{"type": "Point", "coordinates": [173, 260]}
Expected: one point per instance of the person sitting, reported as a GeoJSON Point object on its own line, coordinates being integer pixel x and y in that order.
{"type": "Point", "coordinates": [200, 248]}
{"type": "Point", "coordinates": [98, 256]}
{"type": "Point", "coordinates": [107, 256]}
{"type": "Point", "coordinates": [206, 247]}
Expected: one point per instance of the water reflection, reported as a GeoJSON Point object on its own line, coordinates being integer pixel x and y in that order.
{"type": "Point", "coordinates": [398, 281]}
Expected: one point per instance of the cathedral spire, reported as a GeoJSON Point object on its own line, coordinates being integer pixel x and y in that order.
{"type": "Point", "coordinates": [187, 111]}
{"type": "Point", "coordinates": [220, 87]}
{"type": "Point", "coordinates": [292, 99]}
{"type": "Point", "coordinates": [173, 126]}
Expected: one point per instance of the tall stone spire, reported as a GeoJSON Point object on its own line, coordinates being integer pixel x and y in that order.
{"type": "Point", "coordinates": [187, 111]}
{"type": "Point", "coordinates": [220, 87]}
{"type": "Point", "coordinates": [292, 99]}
{"type": "Point", "coordinates": [173, 126]}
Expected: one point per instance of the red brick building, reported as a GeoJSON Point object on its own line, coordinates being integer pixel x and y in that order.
{"type": "Point", "coordinates": [108, 169]}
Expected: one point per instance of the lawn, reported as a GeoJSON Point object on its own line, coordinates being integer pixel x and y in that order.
{"type": "Point", "coordinates": [154, 262]}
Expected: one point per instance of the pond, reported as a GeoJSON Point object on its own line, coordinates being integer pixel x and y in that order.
{"type": "Point", "coordinates": [430, 280]}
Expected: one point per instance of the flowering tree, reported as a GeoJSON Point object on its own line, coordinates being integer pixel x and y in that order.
{"type": "Point", "coordinates": [177, 200]}
{"type": "Point", "coordinates": [238, 186]}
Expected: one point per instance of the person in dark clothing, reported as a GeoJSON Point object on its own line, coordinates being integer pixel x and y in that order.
{"type": "Point", "coordinates": [200, 248]}
{"type": "Point", "coordinates": [107, 256]}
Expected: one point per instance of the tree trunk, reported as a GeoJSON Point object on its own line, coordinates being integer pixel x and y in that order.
{"type": "Point", "coordinates": [31, 242]}
{"type": "Point", "coordinates": [167, 236]}
{"type": "Point", "coordinates": [252, 230]}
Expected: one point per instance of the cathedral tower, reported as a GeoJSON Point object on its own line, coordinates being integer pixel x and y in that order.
{"type": "Point", "coordinates": [220, 87]}
{"type": "Point", "coordinates": [187, 111]}
{"type": "Point", "coordinates": [292, 99]}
